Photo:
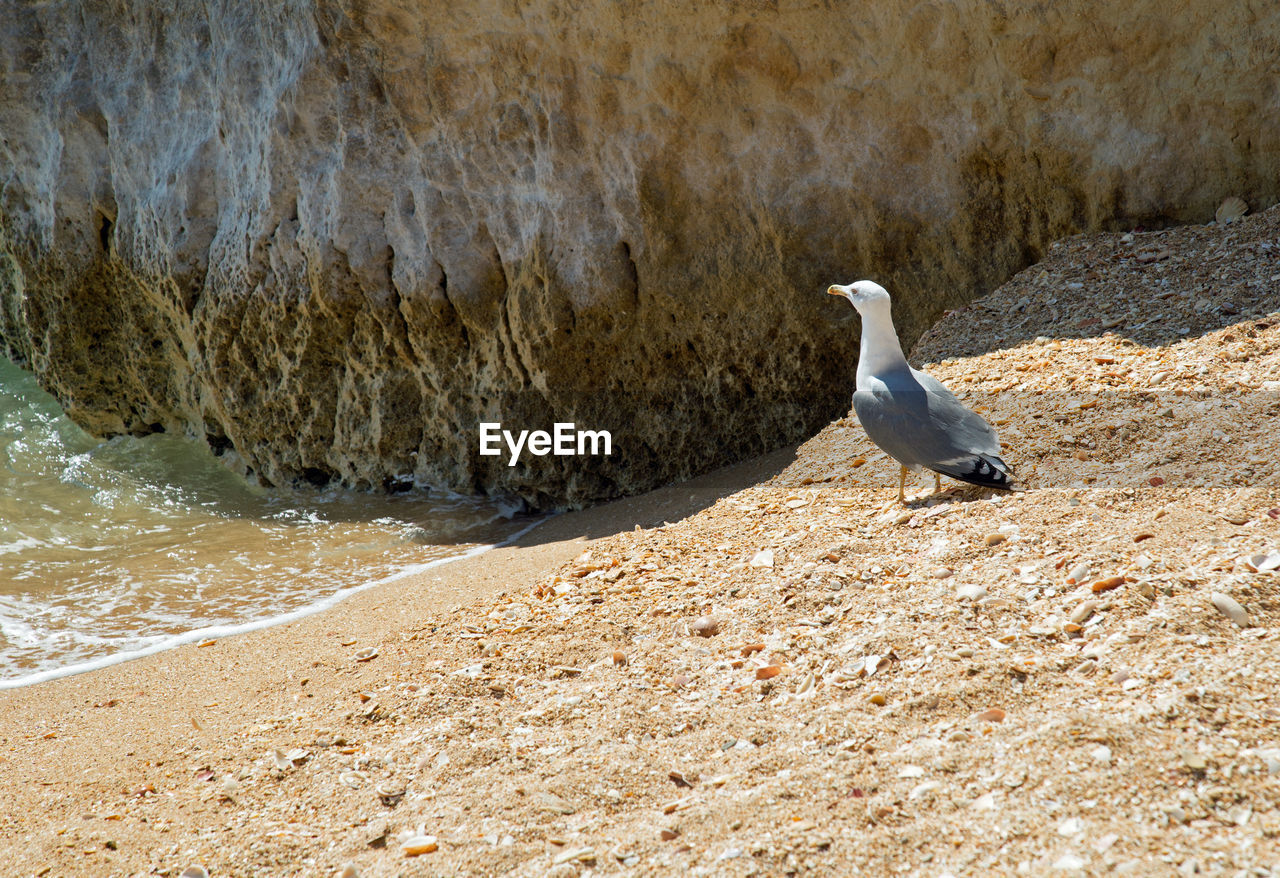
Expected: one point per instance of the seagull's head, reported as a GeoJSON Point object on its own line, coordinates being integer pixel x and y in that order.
{"type": "Point", "coordinates": [862, 294]}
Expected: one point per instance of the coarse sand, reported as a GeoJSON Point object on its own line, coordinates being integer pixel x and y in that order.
{"type": "Point", "coordinates": [793, 674]}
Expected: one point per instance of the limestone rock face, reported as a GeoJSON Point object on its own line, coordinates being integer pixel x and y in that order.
{"type": "Point", "coordinates": [332, 238]}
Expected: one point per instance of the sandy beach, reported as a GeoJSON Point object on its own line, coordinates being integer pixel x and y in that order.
{"type": "Point", "coordinates": [776, 669]}
{"type": "Point", "coordinates": [123, 725]}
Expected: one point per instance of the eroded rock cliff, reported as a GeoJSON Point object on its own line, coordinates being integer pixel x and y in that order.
{"type": "Point", "coordinates": [334, 237]}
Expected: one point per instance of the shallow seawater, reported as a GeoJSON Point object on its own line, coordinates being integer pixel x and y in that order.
{"type": "Point", "coordinates": [113, 547]}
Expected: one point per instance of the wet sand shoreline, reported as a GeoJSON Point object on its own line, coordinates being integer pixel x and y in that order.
{"type": "Point", "coordinates": [74, 738]}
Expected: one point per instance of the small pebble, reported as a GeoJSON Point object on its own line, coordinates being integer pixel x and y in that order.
{"type": "Point", "coordinates": [349, 871]}
{"type": "Point", "coordinates": [1194, 761]}
{"type": "Point", "coordinates": [706, 626]}
{"type": "Point", "coordinates": [971, 592]}
{"type": "Point", "coordinates": [992, 715]}
{"type": "Point", "coordinates": [994, 539]}
{"type": "Point", "coordinates": [1229, 607]}
{"type": "Point", "coordinates": [1107, 584]}
{"type": "Point", "coordinates": [1071, 826]}
{"type": "Point", "coordinates": [194, 872]}
{"type": "Point", "coordinates": [768, 672]}
{"type": "Point", "coordinates": [1068, 863]}
{"type": "Point", "coordinates": [556, 804]}
{"type": "Point", "coordinates": [941, 572]}
{"type": "Point", "coordinates": [878, 699]}
{"type": "Point", "coordinates": [619, 657]}
{"type": "Point", "coordinates": [668, 834]}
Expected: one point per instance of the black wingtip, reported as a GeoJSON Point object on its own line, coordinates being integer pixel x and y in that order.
{"type": "Point", "coordinates": [985, 470]}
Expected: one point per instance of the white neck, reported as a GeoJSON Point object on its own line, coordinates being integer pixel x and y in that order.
{"type": "Point", "coordinates": [880, 351]}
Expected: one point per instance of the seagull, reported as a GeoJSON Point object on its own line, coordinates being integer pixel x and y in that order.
{"type": "Point", "coordinates": [910, 415]}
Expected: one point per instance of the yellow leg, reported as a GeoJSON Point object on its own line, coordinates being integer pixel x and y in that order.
{"type": "Point", "coordinates": [937, 483]}
{"type": "Point", "coordinates": [902, 481]}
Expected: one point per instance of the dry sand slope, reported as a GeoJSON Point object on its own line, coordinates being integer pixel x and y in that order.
{"type": "Point", "coordinates": [804, 678]}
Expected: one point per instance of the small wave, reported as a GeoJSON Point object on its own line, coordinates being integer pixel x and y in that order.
{"type": "Point", "coordinates": [118, 548]}
{"type": "Point", "coordinates": [218, 631]}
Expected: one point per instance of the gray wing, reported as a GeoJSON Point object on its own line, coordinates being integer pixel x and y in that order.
{"type": "Point", "coordinates": [918, 422]}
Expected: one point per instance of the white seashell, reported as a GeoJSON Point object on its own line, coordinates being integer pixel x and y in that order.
{"type": "Point", "coordinates": [419, 844]}
{"type": "Point", "coordinates": [194, 872]}
{"type": "Point", "coordinates": [1077, 574]}
{"type": "Point", "coordinates": [924, 789]}
{"type": "Point", "coordinates": [1082, 612]}
{"type": "Point", "coordinates": [349, 871]}
{"type": "Point", "coordinates": [1230, 608]}
{"type": "Point", "coordinates": [911, 771]}
{"type": "Point", "coordinates": [297, 755]}
{"type": "Point", "coordinates": [353, 779]}
{"type": "Point", "coordinates": [282, 762]}
{"type": "Point", "coordinates": [1263, 562]}
{"type": "Point", "coordinates": [763, 558]}
{"type": "Point", "coordinates": [583, 855]}
{"type": "Point", "coordinates": [1271, 759]}
{"type": "Point", "coordinates": [364, 655]}
{"type": "Point", "coordinates": [1230, 209]}
{"type": "Point", "coordinates": [390, 792]}
{"type": "Point", "coordinates": [971, 593]}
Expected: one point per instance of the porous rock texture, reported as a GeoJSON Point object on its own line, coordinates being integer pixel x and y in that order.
{"type": "Point", "coordinates": [330, 238]}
